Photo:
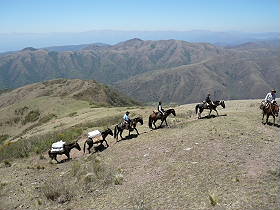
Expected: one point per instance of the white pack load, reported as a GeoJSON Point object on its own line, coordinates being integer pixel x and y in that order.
{"type": "Point", "coordinates": [57, 146]}
{"type": "Point", "coordinates": [93, 134]}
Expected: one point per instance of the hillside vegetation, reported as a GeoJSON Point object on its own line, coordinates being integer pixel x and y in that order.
{"type": "Point", "coordinates": [168, 70]}
{"type": "Point", "coordinates": [226, 162]}
{"type": "Point", "coordinates": [27, 109]}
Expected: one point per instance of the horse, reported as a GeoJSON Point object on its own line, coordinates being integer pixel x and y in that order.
{"type": "Point", "coordinates": [155, 116]}
{"type": "Point", "coordinates": [212, 106]}
{"type": "Point", "coordinates": [90, 141]}
{"type": "Point", "coordinates": [272, 109]}
{"type": "Point", "coordinates": [66, 151]}
{"type": "Point", "coordinates": [122, 126]}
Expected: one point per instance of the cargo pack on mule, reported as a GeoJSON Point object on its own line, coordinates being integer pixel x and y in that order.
{"type": "Point", "coordinates": [97, 137]}
{"type": "Point", "coordinates": [60, 148]}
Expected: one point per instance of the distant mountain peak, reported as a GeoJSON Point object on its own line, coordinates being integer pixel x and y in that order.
{"type": "Point", "coordinates": [29, 49]}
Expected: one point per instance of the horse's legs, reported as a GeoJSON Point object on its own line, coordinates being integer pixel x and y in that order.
{"type": "Point", "coordinates": [216, 112]}
{"type": "Point", "coordinates": [267, 116]}
{"type": "Point", "coordinates": [137, 131]}
{"type": "Point", "coordinates": [121, 133]}
{"type": "Point", "coordinates": [274, 120]}
{"type": "Point", "coordinates": [89, 147]}
{"type": "Point", "coordinates": [155, 124]}
{"type": "Point", "coordinates": [106, 143]}
{"type": "Point", "coordinates": [199, 113]}
{"type": "Point", "coordinates": [54, 157]}
{"type": "Point", "coordinates": [68, 155]}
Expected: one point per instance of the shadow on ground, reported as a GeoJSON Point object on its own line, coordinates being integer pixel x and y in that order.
{"type": "Point", "coordinates": [131, 136]}
{"type": "Point", "coordinates": [271, 124]}
{"type": "Point", "coordinates": [212, 116]}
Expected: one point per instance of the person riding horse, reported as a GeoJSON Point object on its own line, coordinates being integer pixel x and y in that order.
{"type": "Point", "coordinates": [208, 102]}
{"type": "Point", "coordinates": [160, 110]}
{"type": "Point", "coordinates": [127, 120]}
{"type": "Point", "coordinates": [270, 98]}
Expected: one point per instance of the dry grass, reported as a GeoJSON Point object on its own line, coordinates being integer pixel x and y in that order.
{"type": "Point", "coordinates": [228, 162]}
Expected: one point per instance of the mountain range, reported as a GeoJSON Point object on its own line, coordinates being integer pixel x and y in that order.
{"type": "Point", "coordinates": [167, 70]}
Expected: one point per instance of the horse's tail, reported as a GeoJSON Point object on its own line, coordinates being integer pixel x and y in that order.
{"type": "Point", "coordinates": [85, 146]}
{"type": "Point", "coordinates": [150, 122]}
{"type": "Point", "coordinates": [115, 131]}
{"type": "Point", "coordinates": [196, 108]}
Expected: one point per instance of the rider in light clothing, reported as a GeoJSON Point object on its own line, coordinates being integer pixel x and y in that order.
{"type": "Point", "coordinates": [271, 97]}
{"type": "Point", "coordinates": [127, 119]}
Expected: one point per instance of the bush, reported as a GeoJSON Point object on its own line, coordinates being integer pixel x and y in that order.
{"type": "Point", "coordinates": [3, 138]}
{"type": "Point", "coordinates": [46, 118]}
{"type": "Point", "coordinates": [32, 116]}
{"type": "Point", "coordinates": [59, 191]}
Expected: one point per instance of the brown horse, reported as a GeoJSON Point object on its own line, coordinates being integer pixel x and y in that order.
{"type": "Point", "coordinates": [155, 116]}
{"type": "Point", "coordinates": [66, 151]}
{"type": "Point", "coordinates": [121, 126]}
{"type": "Point", "coordinates": [272, 109]}
{"type": "Point", "coordinates": [90, 142]}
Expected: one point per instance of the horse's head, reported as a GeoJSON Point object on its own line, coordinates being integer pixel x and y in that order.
{"type": "Point", "coordinates": [110, 132]}
{"type": "Point", "coordinates": [172, 111]}
{"type": "Point", "coordinates": [275, 110]}
{"type": "Point", "coordinates": [222, 103]}
{"type": "Point", "coordinates": [139, 119]}
{"type": "Point", "coordinates": [77, 146]}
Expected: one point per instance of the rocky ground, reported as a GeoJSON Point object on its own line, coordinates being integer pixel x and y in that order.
{"type": "Point", "coordinates": [226, 162]}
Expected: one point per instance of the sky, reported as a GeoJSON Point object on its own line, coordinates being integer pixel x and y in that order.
{"type": "Point", "coordinates": [47, 16]}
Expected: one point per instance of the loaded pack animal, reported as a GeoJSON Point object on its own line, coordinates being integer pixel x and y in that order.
{"type": "Point", "coordinates": [272, 109]}
{"type": "Point", "coordinates": [211, 107]}
{"type": "Point", "coordinates": [66, 151]}
{"type": "Point", "coordinates": [119, 128]}
{"type": "Point", "coordinates": [98, 140]}
{"type": "Point", "coordinates": [155, 116]}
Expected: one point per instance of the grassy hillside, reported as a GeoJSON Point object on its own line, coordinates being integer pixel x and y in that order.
{"type": "Point", "coordinates": [226, 162]}
{"type": "Point", "coordinates": [39, 107]}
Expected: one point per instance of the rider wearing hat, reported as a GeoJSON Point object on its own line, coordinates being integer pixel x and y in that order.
{"type": "Point", "coordinates": [208, 100]}
{"type": "Point", "coordinates": [270, 97]}
{"type": "Point", "coordinates": [127, 119]}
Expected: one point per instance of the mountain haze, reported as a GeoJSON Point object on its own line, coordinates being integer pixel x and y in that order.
{"type": "Point", "coordinates": [168, 70]}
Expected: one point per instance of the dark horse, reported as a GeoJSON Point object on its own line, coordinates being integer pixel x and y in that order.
{"type": "Point", "coordinates": [272, 109]}
{"type": "Point", "coordinates": [122, 126]}
{"type": "Point", "coordinates": [90, 142]}
{"type": "Point", "coordinates": [155, 116]}
{"type": "Point", "coordinates": [66, 150]}
{"type": "Point", "coordinates": [213, 106]}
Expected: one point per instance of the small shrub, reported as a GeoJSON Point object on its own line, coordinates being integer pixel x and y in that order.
{"type": "Point", "coordinates": [7, 163]}
{"type": "Point", "coordinates": [32, 116]}
{"type": "Point", "coordinates": [213, 199]}
{"type": "Point", "coordinates": [72, 114]}
{"type": "Point", "coordinates": [21, 111]}
{"type": "Point", "coordinates": [53, 190]}
{"type": "Point", "coordinates": [75, 168]}
{"type": "Point", "coordinates": [3, 138]}
{"type": "Point", "coordinates": [118, 179]}
{"type": "Point", "coordinates": [47, 118]}
{"type": "Point", "coordinates": [141, 203]}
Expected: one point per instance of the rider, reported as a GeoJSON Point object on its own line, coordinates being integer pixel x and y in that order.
{"type": "Point", "coordinates": [160, 109]}
{"type": "Point", "coordinates": [127, 119]}
{"type": "Point", "coordinates": [208, 100]}
{"type": "Point", "coordinates": [270, 98]}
